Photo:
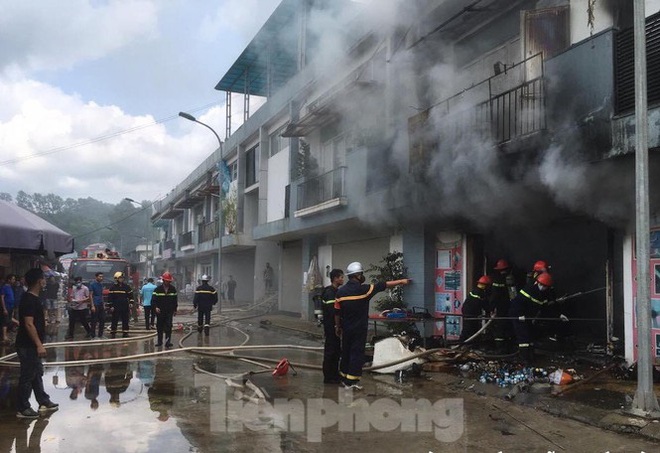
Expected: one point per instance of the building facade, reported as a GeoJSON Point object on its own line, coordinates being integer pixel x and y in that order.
{"type": "Point", "coordinates": [456, 132]}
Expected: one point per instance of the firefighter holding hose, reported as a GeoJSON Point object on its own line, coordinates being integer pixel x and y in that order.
{"type": "Point", "coordinates": [529, 301]}
{"type": "Point", "coordinates": [352, 320]}
{"type": "Point", "coordinates": [475, 303]}
{"type": "Point", "coordinates": [503, 290]}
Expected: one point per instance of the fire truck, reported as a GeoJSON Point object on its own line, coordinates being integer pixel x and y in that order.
{"type": "Point", "coordinates": [92, 261]}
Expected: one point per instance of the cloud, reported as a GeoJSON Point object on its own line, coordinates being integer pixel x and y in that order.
{"type": "Point", "coordinates": [55, 35]}
{"type": "Point", "coordinates": [84, 84]}
{"type": "Point", "coordinates": [243, 17]}
{"type": "Point", "coordinates": [53, 142]}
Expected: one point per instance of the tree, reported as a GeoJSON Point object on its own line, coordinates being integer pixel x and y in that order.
{"type": "Point", "coordinates": [390, 268]}
{"type": "Point", "coordinates": [6, 197]}
{"type": "Point", "coordinates": [49, 205]}
{"type": "Point", "coordinates": [24, 200]}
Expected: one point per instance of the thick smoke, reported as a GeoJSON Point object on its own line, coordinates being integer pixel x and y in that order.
{"type": "Point", "coordinates": [462, 174]}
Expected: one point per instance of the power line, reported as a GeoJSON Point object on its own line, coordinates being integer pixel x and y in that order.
{"type": "Point", "coordinates": [99, 138]}
{"type": "Point", "coordinates": [144, 208]}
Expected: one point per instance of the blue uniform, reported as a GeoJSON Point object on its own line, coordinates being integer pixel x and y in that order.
{"type": "Point", "coordinates": [353, 304]}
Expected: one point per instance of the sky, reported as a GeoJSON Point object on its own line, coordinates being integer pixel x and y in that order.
{"type": "Point", "coordinates": [91, 90]}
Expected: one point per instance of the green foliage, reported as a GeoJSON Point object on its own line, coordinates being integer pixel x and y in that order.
{"type": "Point", "coordinates": [391, 267]}
{"type": "Point", "coordinates": [306, 164]}
{"type": "Point", "coordinates": [87, 219]}
{"type": "Point", "coordinates": [229, 213]}
{"type": "Point", "coordinates": [6, 197]}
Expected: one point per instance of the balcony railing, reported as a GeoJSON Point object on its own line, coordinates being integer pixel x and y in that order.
{"type": "Point", "coordinates": [514, 106]}
{"type": "Point", "coordinates": [323, 188]}
{"type": "Point", "coordinates": [208, 231]}
{"type": "Point", "coordinates": [185, 239]}
{"type": "Point", "coordinates": [169, 245]}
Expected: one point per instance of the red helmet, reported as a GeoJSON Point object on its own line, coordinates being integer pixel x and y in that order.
{"type": "Point", "coordinates": [484, 280]}
{"type": "Point", "coordinates": [167, 277]}
{"type": "Point", "coordinates": [545, 279]}
{"type": "Point", "coordinates": [540, 266]}
{"type": "Point", "coordinates": [501, 265]}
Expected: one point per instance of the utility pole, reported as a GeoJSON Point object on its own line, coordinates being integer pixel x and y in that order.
{"type": "Point", "coordinates": [645, 403]}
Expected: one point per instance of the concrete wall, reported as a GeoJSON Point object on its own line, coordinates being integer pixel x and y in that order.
{"type": "Point", "coordinates": [278, 179]}
{"type": "Point", "coordinates": [292, 276]}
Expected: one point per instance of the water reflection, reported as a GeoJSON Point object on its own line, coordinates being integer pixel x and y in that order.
{"type": "Point", "coordinates": [161, 392]}
{"type": "Point", "coordinates": [117, 379]}
{"type": "Point", "coordinates": [16, 434]}
{"type": "Point", "coordinates": [94, 376]}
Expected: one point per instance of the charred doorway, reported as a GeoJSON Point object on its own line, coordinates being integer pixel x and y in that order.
{"type": "Point", "coordinates": [584, 258]}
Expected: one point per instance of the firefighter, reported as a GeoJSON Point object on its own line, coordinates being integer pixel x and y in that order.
{"type": "Point", "coordinates": [539, 267]}
{"type": "Point", "coordinates": [475, 303]}
{"type": "Point", "coordinates": [352, 319]}
{"type": "Point", "coordinates": [332, 345]}
{"type": "Point", "coordinates": [205, 298]}
{"type": "Point", "coordinates": [120, 301]}
{"type": "Point", "coordinates": [503, 290]}
{"type": "Point", "coordinates": [165, 302]}
{"type": "Point", "coordinates": [529, 301]}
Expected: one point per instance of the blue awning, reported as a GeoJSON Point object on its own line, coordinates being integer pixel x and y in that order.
{"type": "Point", "coordinates": [270, 59]}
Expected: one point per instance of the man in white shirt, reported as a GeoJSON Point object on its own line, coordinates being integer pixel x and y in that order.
{"type": "Point", "coordinates": [80, 302]}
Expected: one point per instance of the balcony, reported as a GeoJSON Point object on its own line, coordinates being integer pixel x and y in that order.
{"type": "Point", "coordinates": [186, 241]}
{"type": "Point", "coordinates": [321, 193]}
{"type": "Point", "coordinates": [208, 231]}
{"type": "Point", "coordinates": [168, 249]}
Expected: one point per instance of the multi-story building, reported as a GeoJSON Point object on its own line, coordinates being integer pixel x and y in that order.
{"type": "Point", "coordinates": [457, 132]}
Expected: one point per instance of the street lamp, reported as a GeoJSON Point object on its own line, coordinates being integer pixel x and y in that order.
{"type": "Point", "coordinates": [147, 240]}
{"type": "Point", "coordinates": [189, 117]}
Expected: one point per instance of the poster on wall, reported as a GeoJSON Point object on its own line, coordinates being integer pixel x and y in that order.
{"type": "Point", "coordinates": [654, 262]}
{"type": "Point", "coordinates": [448, 284]}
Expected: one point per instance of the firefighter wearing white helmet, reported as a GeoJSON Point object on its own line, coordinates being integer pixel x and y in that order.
{"type": "Point", "coordinates": [120, 301]}
{"type": "Point", "coordinates": [352, 320]}
{"type": "Point", "coordinates": [205, 298]}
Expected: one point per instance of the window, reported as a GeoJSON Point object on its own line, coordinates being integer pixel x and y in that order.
{"type": "Point", "coordinates": [547, 31]}
{"type": "Point", "coordinates": [252, 166]}
{"type": "Point", "coordinates": [277, 142]}
{"type": "Point", "coordinates": [233, 170]}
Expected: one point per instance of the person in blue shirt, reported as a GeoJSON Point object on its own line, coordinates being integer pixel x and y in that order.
{"type": "Point", "coordinates": [98, 315]}
{"type": "Point", "coordinates": [7, 299]}
{"type": "Point", "coordinates": [145, 294]}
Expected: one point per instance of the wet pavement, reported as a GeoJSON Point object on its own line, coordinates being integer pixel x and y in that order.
{"type": "Point", "coordinates": [187, 402]}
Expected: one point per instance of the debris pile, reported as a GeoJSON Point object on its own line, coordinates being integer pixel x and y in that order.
{"type": "Point", "coordinates": [507, 374]}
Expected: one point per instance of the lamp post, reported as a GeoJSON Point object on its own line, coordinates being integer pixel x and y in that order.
{"type": "Point", "coordinates": [189, 117]}
{"type": "Point", "coordinates": [148, 239]}
{"type": "Point", "coordinates": [645, 402]}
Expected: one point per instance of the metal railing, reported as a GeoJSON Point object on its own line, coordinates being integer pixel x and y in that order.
{"type": "Point", "coordinates": [208, 231]}
{"type": "Point", "coordinates": [322, 188]}
{"type": "Point", "coordinates": [514, 106]}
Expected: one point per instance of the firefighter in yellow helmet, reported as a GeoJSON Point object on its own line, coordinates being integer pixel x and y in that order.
{"type": "Point", "coordinates": [120, 301]}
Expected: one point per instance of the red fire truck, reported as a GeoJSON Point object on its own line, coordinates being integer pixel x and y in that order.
{"type": "Point", "coordinates": [87, 266]}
